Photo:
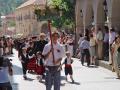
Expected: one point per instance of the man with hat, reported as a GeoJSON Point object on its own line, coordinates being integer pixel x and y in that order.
{"type": "Point", "coordinates": [41, 43]}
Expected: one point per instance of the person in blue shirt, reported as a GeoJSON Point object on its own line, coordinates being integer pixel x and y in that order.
{"type": "Point", "coordinates": [85, 45]}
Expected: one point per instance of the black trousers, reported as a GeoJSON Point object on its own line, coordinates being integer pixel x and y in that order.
{"type": "Point", "coordinates": [106, 49]}
{"type": "Point", "coordinates": [24, 68]}
{"type": "Point", "coordinates": [86, 54]}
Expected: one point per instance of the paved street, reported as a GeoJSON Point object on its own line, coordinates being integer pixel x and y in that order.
{"type": "Point", "coordinates": [94, 78]}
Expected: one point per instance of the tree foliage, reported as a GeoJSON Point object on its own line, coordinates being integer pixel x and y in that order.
{"type": "Point", "coordinates": [67, 7]}
{"type": "Point", "coordinates": [7, 6]}
{"type": "Point", "coordinates": [65, 16]}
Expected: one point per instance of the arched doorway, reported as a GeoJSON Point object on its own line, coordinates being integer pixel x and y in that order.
{"type": "Point", "coordinates": [88, 17]}
{"type": "Point", "coordinates": [100, 16]}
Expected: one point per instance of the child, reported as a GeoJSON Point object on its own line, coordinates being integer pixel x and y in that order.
{"type": "Point", "coordinates": [40, 66]}
{"type": "Point", "coordinates": [68, 67]}
{"type": "Point", "coordinates": [24, 61]}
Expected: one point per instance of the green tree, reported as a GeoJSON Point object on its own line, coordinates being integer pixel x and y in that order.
{"type": "Point", "coordinates": [8, 6]}
{"type": "Point", "coordinates": [67, 7]}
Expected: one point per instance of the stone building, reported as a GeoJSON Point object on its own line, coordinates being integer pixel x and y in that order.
{"type": "Point", "coordinates": [26, 22]}
{"type": "Point", "coordinates": [7, 24]}
{"type": "Point", "coordinates": [97, 13]}
{"type": "Point", "coordinates": [90, 12]}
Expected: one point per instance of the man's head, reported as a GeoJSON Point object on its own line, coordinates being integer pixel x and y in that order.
{"type": "Point", "coordinates": [55, 36]}
{"type": "Point", "coordinates": [42, 36]}
{"type": "Point", "coordinates": [68, 54]}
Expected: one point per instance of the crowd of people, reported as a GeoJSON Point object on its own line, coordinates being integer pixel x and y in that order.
{"type": "Point", "coordinates": [100, 44]}
{"type": "Point", "coordinates": [6, 46]}
{"type": "Point", "coordinates": [43, 55]}
{"type": "Point", "coordinates": [36, 55]}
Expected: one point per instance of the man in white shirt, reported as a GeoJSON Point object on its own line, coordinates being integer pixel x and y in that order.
{"type": "Point", "coordinates": [53, 63]}
{"type": "Point", "coordinates": [99, 38]}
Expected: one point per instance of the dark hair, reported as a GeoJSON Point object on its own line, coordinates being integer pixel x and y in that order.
{"type": "Point", "coordinates": [106, 28]}
{"type": "Point", "coordinates": [80, 35]}
{"type": "Point", "coordinates": [112, 29]}
{"type": "Point", "coordinates": [99, 29]}
{"type": "Point", "coordinates": [91, 35]}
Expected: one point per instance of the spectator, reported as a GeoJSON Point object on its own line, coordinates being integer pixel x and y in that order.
{"type": "Point", "coordinates": [85, 45]}
{"type": "Point", "coordinates": [106, 43]}
{"type": "Point", "coordinates": [99, 38]}
{"type": "Point", "coordinates": [92, 49]}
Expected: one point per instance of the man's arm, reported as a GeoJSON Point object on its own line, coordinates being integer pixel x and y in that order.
{"type": "Point", "coordinates": [46, 55]}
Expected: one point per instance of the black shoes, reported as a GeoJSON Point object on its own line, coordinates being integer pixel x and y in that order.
{"type": "Point", "coordinates": [25, 77]}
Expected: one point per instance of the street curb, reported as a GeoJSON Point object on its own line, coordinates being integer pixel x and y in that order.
{"type": "Point", "coordinates": [104, 64]}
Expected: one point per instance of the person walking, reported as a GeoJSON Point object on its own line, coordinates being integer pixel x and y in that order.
{"type": "Point", "coordinates": [24, 61]}
{"type": "Point", "coordinates": [52, 62]}
{"type": "Point", "coordinates": [68, 66]}
{"type": "Point", "coordinates": [85, 45]}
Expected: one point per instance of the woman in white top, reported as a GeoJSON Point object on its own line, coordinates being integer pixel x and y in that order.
{"type": "Point", "coordinates": [116, 55]}
{"type": "Point", "coordinates": [92, 49]}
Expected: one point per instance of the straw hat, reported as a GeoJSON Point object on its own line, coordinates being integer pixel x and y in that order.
{"type": "Point", "coordinates": [42, 34]}
{"type": "Point", "coordinates": [24, 48]}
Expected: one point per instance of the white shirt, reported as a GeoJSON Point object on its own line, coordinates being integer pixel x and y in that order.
{"type": "Point", "coordinates": [99, 35]}
{"type": "Point", "coordinates": [69, 61]}
{"type": "Point", "coordinates": [58, 53]}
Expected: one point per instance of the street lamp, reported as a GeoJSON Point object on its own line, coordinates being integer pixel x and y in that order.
{"type": "Point", "coordinates": [81, 13]}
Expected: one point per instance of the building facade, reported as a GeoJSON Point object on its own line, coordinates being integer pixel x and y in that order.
{"type": "Point", "coordinates": [8, 25]}
{"type": "Point", "coordinates": [26, 21]}
{"type": "Point", "coordinates": [97, 13]}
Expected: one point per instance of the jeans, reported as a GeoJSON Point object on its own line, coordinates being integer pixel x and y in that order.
{"type": "Point", "coordinates": [52, 77]}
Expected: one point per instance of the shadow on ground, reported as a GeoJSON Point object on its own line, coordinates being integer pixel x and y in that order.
{"type": "Point", "coordinates": [17, 70]}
